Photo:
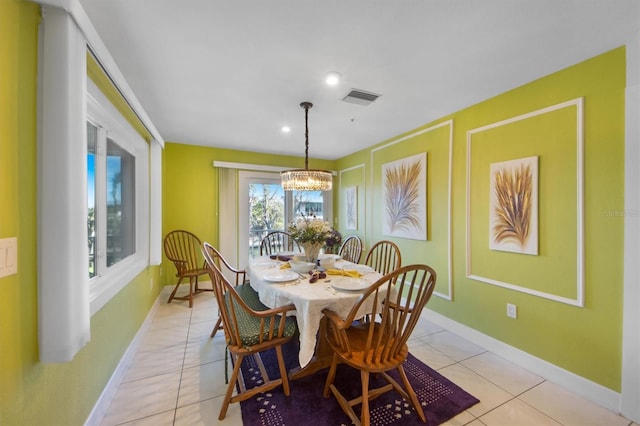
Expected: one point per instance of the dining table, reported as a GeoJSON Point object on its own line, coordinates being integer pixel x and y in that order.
{"type": "Point", "coordinates": [278, 285]}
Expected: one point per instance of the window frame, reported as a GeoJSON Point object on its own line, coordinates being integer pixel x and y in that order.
{"type": "Point", "coordinates": [246, 177]}
{"type": "Point", "coordinates": [111, 124]}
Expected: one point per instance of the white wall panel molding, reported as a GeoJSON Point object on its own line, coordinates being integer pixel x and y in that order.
{"type": "Point", "coordinates": [449, 294]}
{"type": "Point", "coordinates": [578, 300]}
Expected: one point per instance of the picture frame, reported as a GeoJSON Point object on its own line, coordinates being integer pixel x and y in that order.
{"type": "Point", "coordinates": [404, 197]}
{"type": "Point", "coordinates": [351, 210]}
{"type": "Point", "coordinates": [513, 206]}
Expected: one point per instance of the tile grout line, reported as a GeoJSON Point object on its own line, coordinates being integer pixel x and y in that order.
{"type": "Point", "coordinates": [514, 397]}
{"type": "Point", "coordinates": [184, 356]}
{"type": "Point", "coordinates": [534, 407]}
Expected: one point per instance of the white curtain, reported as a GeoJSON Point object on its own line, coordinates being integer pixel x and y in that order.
{"type": "Point", "coordinates": [63, 257]}
{"type": "Point", "coordinates": [228, 216]}
{"type": "Point", "coordinates": [155, 203]}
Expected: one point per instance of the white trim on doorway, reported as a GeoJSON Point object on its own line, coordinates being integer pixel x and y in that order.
{"type": "Point", "coordinates": [629, 406]}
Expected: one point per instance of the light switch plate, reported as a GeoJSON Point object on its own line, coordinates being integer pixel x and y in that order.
{"type": "Point", "coordinates": [8, 256]}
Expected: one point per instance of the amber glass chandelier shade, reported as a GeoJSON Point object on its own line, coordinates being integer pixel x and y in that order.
{"type": "Point", "coordinates": [306, 179]}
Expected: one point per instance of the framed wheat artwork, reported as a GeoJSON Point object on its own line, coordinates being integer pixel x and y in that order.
{"type": "Point", "coordinates": [513, 206]}
{"type": "Point", "coordinates": [404, 184]}
{"type": "Point", "coordinates": [351, 211]}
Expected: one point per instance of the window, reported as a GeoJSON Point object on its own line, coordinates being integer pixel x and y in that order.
{"type": "Point", "coordinates": [121, 218]}
{"type": "Point", "coordinates": [117, 199]}
{"type": "Point", "coordinates": [74, 280]}
{"type": "Point", "coordinates": [270, 208]}
{"type": "Point", "coordinates": [116, 207]}
{"type": "Point", "coordinates": [308, 203]}
{"type": "Point", "coordinates": [266, 211]}
{"type": "Point", "coordinates": [92, 136]}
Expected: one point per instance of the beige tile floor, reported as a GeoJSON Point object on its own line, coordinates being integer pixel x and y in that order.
{"type": "Point", "coordinates": [177, 378]}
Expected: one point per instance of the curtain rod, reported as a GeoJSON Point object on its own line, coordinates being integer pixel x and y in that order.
{"type": "Point", "coordinates": [254, 167]}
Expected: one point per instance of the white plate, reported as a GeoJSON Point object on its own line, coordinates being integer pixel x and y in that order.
{"type": "Point", "coordinates": [351, 284]}
{"type": "Point", "coordinates": [263, 262]}
{"type": "Point", "coordinates": [363, 269]}
{"type": "Point", "coordinates": [281, 276]}
{"type": "Point", "coordinates": [285, 253]}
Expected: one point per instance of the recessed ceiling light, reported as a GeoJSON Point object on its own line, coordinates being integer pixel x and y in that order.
{"type": "Point", "coordinates": [285, 129]}
{"type": "Point", "coordinates": [332, 78]}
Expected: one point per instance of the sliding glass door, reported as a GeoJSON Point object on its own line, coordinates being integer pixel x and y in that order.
{"type": "Point", "coordinates": [265, 207]}
{"type": "Point", "coordinates": [267, 212]}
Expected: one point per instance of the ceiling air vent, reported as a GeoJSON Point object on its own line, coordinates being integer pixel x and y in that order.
{"type": "Point", "coordinates": [360, 97]}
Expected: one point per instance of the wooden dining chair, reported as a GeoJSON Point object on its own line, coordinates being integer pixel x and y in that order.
{"type": "Point", "coordinates": [380, 345]}
{"type": "Point", "coordinates": [183, 249]}
{"type": "Point", "coordinates": [277, 241]}
{"type": "Point", "coordinates": [240, 276]}
{"type": "Point", "coordinates": [384, 257]}
{"type": "Point", "coordinates": [249, 328]}
{"type": "Point", "coordinates": [351, 249]}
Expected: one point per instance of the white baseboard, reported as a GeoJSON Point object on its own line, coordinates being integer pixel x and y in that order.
{"type": "Point", "coordinates": [585, 388]}
{"type": "Point", "coordinates": [100, 408]}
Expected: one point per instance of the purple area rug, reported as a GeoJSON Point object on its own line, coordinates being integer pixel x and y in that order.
{"type": "Point", "coordinates": [441, 399]}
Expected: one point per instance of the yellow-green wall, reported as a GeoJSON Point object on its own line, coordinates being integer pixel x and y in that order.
{"type": "Point", "coordinates": [32, 393]}
{"type": "Point", "coordinates": [356, 177]}
{"type": "Point", "coordinates": [190, 188]}
{"type": "Point", "coordinates": [586, 341]}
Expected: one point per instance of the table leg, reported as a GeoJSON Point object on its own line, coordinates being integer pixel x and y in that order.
{"type": "Point", "coordinates": [321, 359]}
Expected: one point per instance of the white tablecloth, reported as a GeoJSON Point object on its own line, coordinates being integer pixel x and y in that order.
{"type": "Point", "coordinates": [309, 299]}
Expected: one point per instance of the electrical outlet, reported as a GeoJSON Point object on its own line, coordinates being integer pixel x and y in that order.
{"type": "Point", "coordinates": [512, 311]}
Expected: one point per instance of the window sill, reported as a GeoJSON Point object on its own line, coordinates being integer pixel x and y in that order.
{"type": "Point", "coordinates": [103, 288]}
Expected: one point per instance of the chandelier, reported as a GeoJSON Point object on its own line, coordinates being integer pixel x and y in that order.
{"type": "Point", "coordinates": [306, 179]}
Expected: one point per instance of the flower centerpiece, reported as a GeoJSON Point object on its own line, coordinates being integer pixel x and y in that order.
{"type": "Point", "coordinates": [311, 234]}
{"type": "Point", "coordinates": [332, 245]}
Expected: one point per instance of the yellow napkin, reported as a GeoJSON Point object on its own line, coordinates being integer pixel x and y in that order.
{"type": "Point", "coordinates": [285, 266]}
{"type": "Point", "coordinates": [346, 273]}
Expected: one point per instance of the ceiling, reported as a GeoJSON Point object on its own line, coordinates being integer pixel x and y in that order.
{"type": "Point", "coordinates": [231, 73]}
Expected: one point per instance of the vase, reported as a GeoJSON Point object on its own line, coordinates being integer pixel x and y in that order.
{"type": "Point", "coordinates": [311, 251]}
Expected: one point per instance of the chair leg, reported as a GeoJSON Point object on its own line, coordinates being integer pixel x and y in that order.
{"type": "Point", "coordinates": [230, 387]}
{"type": "Point", "coordinates": [197, 288]}
{"type": "Point", "coordinates": [191, 279]}
{"type": "Point", "coordinates": [216, 327]}
{"type": "Point", "coordinates": [173, 293]}
{"type": "Point", "coordinates": [412, 395]}
{"type": "Point", "coordinates": [283, 371]}
{"type": "Point", "coordinates": [331, 376]}
{"type": "Point", "coordinates": [364, 416]}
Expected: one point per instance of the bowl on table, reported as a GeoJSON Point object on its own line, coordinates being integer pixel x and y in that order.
{"type": "Point", "coordinates": [299, 258]}
{"type": "Point", "coordinates": [328, 263]}
{"type": "Point", "coordinates": [301, 267]}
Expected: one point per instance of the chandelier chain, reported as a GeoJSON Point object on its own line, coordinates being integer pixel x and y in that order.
{"type": "Point", "coordinates": [306, 105]}
{"type": "Point", "coordinates": [306, 136]}
{"type": "Point", "coordinates": [305, 179]}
